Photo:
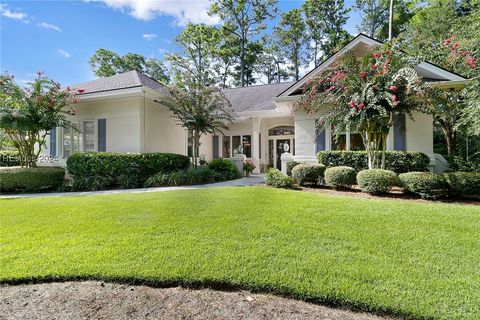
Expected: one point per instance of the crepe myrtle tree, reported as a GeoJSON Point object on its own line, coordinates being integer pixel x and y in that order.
{"type": "Point", "coordinates": [28, 113]}
{"type": "Point", "coordinates": [199, 109]}
{"type": "Point", "coordinates": [364, 94]}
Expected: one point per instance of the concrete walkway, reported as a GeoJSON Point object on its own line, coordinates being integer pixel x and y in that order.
{"type": "Point", "coordinates": [254, 179]}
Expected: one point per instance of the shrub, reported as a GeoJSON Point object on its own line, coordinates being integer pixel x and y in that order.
{"type": "Point", "coordinates": [224, 168]}
{"type": "Point", "coordinates": [397, 161]}
{"type": "Point", "coordinates": [463, 183]}
{"type": "Point", "coordinates": [31, 179]}
{"type": "Point", "coordinates": [426, 184]}
{"type": "Point", "coordinates": [248, 166]}
{"type": "Point", "coordinates": [343, 177]}
{"type": "Point", "coordinates": [102, 170]}
{"type": "Point", "coordinates": [277, 179]}
{"type": "Point", "coordinates": [9, 158]}
{"type": "Point", "coordinates": [464, 165]}
{"type": "Point", "coordinates": [376, 181]}
{"type": "Point", "coordinates": [290, 166]}
{"type": "Point", "coordinates": [188, 177]}
{"type": "Point", "coordinates": [308, 173]}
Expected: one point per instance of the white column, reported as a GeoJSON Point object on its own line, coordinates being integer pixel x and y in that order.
{"type": "Point", "coordinates": [256, 143]}
{"type": "Point", "coordinates": [305, 136]}
{"type": "Point", "coordinates": [285, 158]}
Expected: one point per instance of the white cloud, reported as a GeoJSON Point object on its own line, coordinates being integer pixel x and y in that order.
{"type": "Point", "coordinates": [49, 26]}
{"type": "Point", "coordinates": [184, 11]}
{"type": "Point", "coordinates": [149, 36]}
{"type": "Point", "coordinates": [16, 15]}
{"type": "Point", "coordinates": [163, 51]}
{"type": "Point", "coordinates": [63, 53]}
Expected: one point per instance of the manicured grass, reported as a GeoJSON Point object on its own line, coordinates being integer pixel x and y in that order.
{"type": "Point", "coordinates": [410, 259]}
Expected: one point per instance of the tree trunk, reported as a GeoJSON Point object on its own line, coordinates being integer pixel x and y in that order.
{"type": "Point", "coordinates": [450, 139]}
{"type": "Point", "coordinates": [242, 64]}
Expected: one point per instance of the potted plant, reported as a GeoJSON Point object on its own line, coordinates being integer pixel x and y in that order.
{"type": "Point", "coordinates": [248, 167]}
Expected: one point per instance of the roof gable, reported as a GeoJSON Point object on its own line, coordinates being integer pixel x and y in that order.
{"type": "Point", "coordinates": [361, 44]}
{"type": "Point", "coordinates": [129, 79]}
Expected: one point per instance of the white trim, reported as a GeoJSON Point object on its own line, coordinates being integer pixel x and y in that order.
{"type": "Point", "coordinates": [454, 84]}
{"type": "Point", "coordinates": [359, 39]}
{"type": "Point", "coordinates": [120, 93]}
{"type": "Point", "coordinates": [439, 71]}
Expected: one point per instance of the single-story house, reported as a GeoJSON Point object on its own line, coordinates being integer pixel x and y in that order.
{"type": "Point", "coordinates": [126, 113]}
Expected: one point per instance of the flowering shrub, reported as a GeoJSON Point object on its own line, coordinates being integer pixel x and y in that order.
{"type": "Point", "coordinates": [248, 167]}
{"type": "Point", "coordinates": [459, 55]}
{"type": "Point", "coordinates": [364, 94]}
{"type": "Point", "coordinates": [27, 114]}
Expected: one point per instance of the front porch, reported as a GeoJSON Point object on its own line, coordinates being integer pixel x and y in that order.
{"type": "Point", "coordinates": [261, 140]}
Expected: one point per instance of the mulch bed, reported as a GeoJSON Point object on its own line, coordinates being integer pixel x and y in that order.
{"type": "Point", "coordinates": [97, 300]}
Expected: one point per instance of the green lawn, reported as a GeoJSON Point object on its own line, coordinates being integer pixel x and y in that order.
{"type": "Point", "coordinates": [404, 258]}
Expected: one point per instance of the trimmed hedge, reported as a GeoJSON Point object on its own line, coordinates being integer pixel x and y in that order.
{"type": "Point", "coordinates": [463, 183]}
{"type": "Point", "coordinates": [426, 184]}
{"type": "Point", "coordinates": [397, 161]}
{"type": "Point", "coordinates": [277, 179]}
{"type": "Point", "coordinates": [9, 158]}
{"type": "Point", "coordinates": [31, 179]}
{"type": "Point", "coordinates": [343, 177]}
{"type": "Point", "coordinates": [290, 166]}
{"type": "Point", "coordinates": [102, 170]}
{"type": "Point", "coordinates": [188, 177]}
{"type": "Point", "coordinates": [308, 174]}
{"type": "Point", "coordinates": [224, 168]}
{"type": "Point", "coordinates": [376, 181]}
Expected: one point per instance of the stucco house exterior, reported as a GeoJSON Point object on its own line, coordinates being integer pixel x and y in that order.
{"type": "Point", "coordinates": [127, 113]}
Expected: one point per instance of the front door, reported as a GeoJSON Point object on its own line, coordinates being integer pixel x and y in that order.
{"type": "Point", "coordinates": [281, 149]}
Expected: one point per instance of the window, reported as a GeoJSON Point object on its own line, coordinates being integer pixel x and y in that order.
{"type": "Point", "coordinates": [281, 131]}
{"type": "Point", "coordinates": [232, 144]}
{"type": "Point", "coordinates": [89, 135]}
{"type": "Point", "coordinates": [348, 141]}
{"type": "Point", "coordinates": [236, 142]}
{"type": "Point", "coordinates": [72, 140]}
{"type": "Point", "coordinates": [247, 145]}
{"type": "Point", "coordinates": [356, 142]}
{"type": "Point", "coordinates": [339, 142]}
{"type": "Point", "coordinates": [226, 149]}
{"type": "Point", "coordinates": [79, 137]}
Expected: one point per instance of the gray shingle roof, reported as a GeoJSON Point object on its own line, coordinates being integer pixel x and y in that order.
{"type": "Point", "coordinates": [255, 98]}
{"type": "Point", "coordinates": [124, 80]}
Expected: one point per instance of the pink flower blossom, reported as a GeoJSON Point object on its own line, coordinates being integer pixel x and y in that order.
{"type": "Point", "coordinates": [363, 75]}
{"type": "Point", "coordinates": [471, 62]}
{"type": "Point", "coordinates": [360, 106]}
{"type": "Point", "coordinates": [447, 41]}
{"type": "Point", "coordinates": [394, 98]}
{"type": "Point", "coordinates": [455, 45]}
{"type": "Point", "coordinates": [331, 88]}
{"type": "Point", "coordinates": [377, 55]}
{"type": "Point", "coordinates": [374, 67]}
{"type": "Point", "coordinates": [392, 88]}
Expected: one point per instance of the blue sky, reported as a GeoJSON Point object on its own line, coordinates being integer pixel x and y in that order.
{"type": "Point", "coordinates": [58, 37]}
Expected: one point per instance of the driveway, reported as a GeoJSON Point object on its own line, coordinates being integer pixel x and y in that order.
{"type": "Point", "coordinates": [254, 179]}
